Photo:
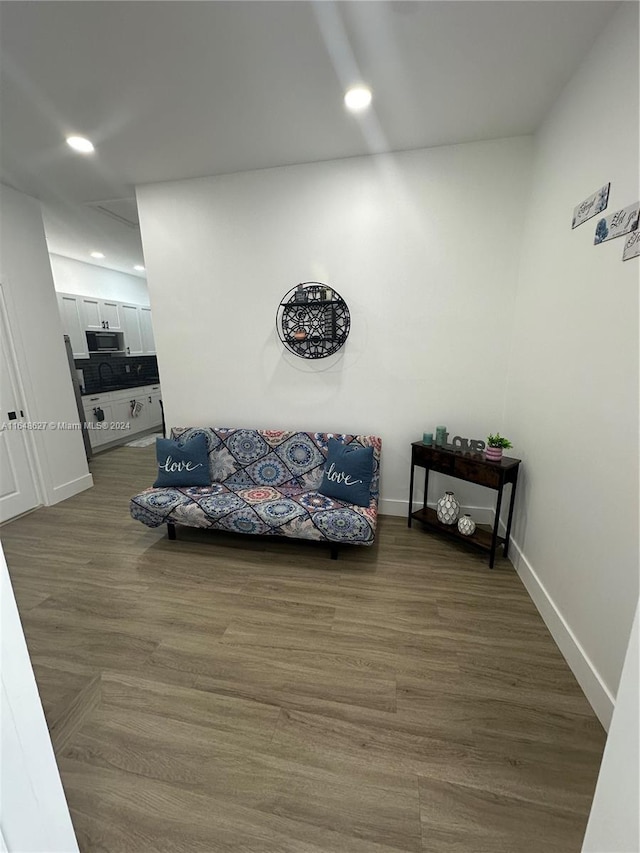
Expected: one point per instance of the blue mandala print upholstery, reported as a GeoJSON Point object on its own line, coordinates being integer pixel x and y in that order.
{"type": "Point", "coordinates": [259, 494]}
{"type": "Point", "coordinates": [313, 501]}
{"type": "Point", "coordinates": [278, 512]}
{"type": "Point", "coordinates": [265, 482]}
{"type": "Point", "coordinates": [213, 489]}
{"type": "Point", "coordinates": [342, 525]}
{"type": "Point", "coordinates": [247, 445]}
{"type": "Point", "coordinates": [300, 454]}
{"type": "Point", "coordinates": [151, 519]}
{"type": "Point", "coordinates": [239, 480]}
{"type": "Point", "coordinates": [244, 521]}
{"type": "Point", "coordinates": [269, 471]}
{"type": "Point", "coordinates": [164, 500]}
{"type": "Point", "coordinates": [216, 506]}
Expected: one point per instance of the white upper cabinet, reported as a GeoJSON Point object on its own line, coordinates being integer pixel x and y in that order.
{"type": "Point", "coordinates": [81, 314]}
{"type": "Point", "coordinates": [101, 314]}
{"type": "Point", "coordinates": [110, 313]}
{"type": "Point", "coordinates": [146, 329]}
{"type": "Point", "coordinates": [91, 313]}
{"type": "Point", "coordinates": [70, 307]}
{"type": "Point", "coordinates": [130, 315]}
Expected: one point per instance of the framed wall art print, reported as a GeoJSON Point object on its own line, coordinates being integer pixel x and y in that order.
{"type": "Point", "coordinates": [631, 246]}
{"type": "Point", "coordinates": [591, 206]}
{"type": "Point", "coordinates": [617, 224]}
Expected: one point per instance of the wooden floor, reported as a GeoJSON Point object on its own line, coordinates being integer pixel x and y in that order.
{"type": "Point", "coordinates": [222, 694]}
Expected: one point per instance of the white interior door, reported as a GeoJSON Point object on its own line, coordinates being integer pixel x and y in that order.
{"type": "Point", "coordinates": [18, 491]}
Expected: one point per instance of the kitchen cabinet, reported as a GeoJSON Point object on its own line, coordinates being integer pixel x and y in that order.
{"type": "Point", "coordinates": [91, 313]}
{"type": "Point", "coordinates": [70, 308]}
{"type": "Point", "coordinates": [146, 329]}
{"type": "Point", "coordinates": [121, 412]}
{"type": "Point", "coordinates": [99, 430]}
{"type": "Point", "coordinates": [101, 314]}
{"type": "Point", "coordinates": [111, 315]}
{"type": "Point", "coordinates": [155, 409]}
{"type": "Point", "coordinates": [150, 416]}
{"type": "Point", "coordinates": [117, 409]}
{"type": "Point", "coordinates": [80, 314]}
{"type": "Point", "coordinates": [139, 416]}
{"type": "Point", "coordinates": [130, 317]}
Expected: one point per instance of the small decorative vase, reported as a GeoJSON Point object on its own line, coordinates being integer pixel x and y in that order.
{"type": "Point", "coordinates": [447, 509]}
{"type": "Point", "coordinates": [493, 454]}
{"type": "Point", "coordinates": [466, 525]}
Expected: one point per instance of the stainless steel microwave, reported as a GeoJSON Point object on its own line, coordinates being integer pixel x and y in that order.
{"type": "Point", "coordinates": [105, 341]}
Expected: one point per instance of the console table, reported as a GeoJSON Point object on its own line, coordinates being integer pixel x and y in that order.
{"type": "Point", "coordinates": [473, 468]}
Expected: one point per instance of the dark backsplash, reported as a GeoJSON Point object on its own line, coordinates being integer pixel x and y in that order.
{"type": "Point", "coordinates": [142, 370]}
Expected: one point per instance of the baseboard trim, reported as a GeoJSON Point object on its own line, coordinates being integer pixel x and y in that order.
{"type": "Point", "coordinates": [596, 691]}
{"type": "Point", "coordinates": [68, 490]}
{"type": "Point", "coordinates": [388, 506]}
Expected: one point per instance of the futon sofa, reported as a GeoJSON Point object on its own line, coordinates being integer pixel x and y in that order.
{"type": "Point", "coordinates": [265, 482]}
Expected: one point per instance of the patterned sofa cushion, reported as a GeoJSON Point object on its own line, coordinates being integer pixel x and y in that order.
{"type": "Point", "coordinates": [265, 482]}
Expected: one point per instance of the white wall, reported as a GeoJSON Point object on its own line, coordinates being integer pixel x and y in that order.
{"type": "Point", "coordinates": [614, 822]}
{"type": "Point", "coordinates": [423, 246]}
{"type": "Point", "coordinates": [37, 334]}
{"type": "Point", "coordinates": [34, 816]}
{"type": "Point", "coordinates": [572, 401]}
{"type": "Point", "coordinates": [71, 276]}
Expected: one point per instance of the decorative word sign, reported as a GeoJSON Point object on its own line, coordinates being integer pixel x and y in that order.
{"type": "Point", "coordinates": [464, 445]}
{"type": "Point", "coordinates": [590, 206]}
{"type": "Point", "coordinates": [631, 246]}
{"type": "Point", "coordinates": [617, 224]}
{"type": "Point", "coordinates": [467, 445]}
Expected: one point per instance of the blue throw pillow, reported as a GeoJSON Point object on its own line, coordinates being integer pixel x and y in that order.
{"type": "Point", "coordinates": [348, 472]}
{"type": "Point", "coordinates": [182, 463]}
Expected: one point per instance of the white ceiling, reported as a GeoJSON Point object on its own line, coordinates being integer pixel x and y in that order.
{"type": "Point", "coordinates": [170, 90]}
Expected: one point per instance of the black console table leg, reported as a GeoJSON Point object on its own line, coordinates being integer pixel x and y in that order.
{"type": "Point", "coordinates": [510, 518]}
{"type": "Point", "coordinates": [411, 494]}
{"type": "Point", "coordinates": [494, 538]}
{"type": "Point", "coordinates": [171, 530]}
{"type": "Point", "coordinates": [426, 488]}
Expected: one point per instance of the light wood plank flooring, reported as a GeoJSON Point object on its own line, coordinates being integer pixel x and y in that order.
{"type": "Point", "coordinates": [221, 694]}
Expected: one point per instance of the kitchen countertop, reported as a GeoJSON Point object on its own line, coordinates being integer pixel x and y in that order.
{"type": "Point", "coordinates": [120, 386]}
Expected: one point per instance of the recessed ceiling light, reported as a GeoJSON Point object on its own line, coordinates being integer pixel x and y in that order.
{"type": "Point", "coordinates": [139, 268]}
{"type": "Point", "coordinates": [79, 143]}
{"type": "Point", "coordinates": [97, 255]}
{"type": "Point", "coordinates": [358, 98]}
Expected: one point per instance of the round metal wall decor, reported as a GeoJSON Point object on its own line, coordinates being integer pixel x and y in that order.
{"type": "Point", "coordinates": [313, 320]}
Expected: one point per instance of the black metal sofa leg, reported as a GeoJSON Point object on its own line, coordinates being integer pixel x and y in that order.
{"type": "Point", "coordinates": [171, 530]}
{"type": "Point", "coordinates": [334, 552]}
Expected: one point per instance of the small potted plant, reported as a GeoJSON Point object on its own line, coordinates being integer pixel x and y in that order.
{"type": "Point", "coordinates": [495, 445]}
